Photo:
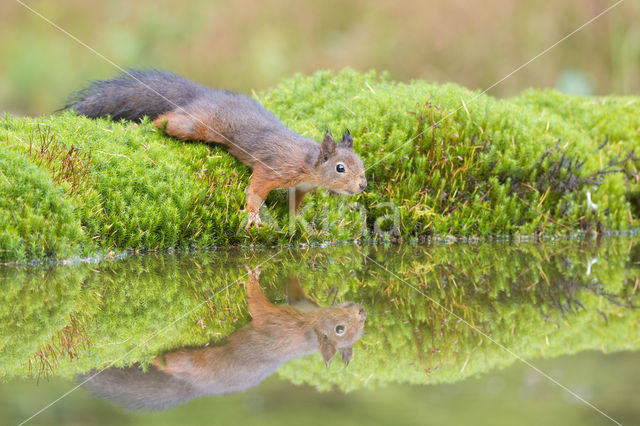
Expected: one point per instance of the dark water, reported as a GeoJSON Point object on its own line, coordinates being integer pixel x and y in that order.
{"type": "Point", "coordinates": [489, 333]}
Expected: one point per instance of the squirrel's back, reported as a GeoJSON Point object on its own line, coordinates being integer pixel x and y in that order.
{"type": "Point", "coordinates": [151, 92]}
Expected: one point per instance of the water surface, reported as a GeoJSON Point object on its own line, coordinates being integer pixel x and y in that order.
{"type": "Point", "coordinates": [443, 323]}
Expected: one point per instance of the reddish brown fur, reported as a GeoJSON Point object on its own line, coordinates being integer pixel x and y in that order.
{"type": "Point", "coordinates": [292, 169]}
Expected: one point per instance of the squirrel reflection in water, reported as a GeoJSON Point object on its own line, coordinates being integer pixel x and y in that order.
{"type": "Point", "coordinates": [275, 335]}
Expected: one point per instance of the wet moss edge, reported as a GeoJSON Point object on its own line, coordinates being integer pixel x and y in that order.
{"type": "Point", "coordinates": [442, 161]}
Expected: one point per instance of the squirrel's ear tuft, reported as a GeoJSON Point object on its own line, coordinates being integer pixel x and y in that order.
{"type": "Point", "coordinates": [346, 354]}
{"type": "Point", "coordinates": [327, 348]}
{"type": "Point", "coordinates": [296, 294]}
{"type": "Point", "coordinates": [347, 140]}
{"type": "Point", "coordinates": [327, 148]}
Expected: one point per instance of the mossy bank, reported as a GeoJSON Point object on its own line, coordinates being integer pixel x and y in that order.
{"type": "Point", "coordinates": [441, 160]}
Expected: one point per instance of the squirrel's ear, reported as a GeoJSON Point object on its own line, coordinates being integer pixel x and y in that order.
{"type": "Point", "coordinates": [327, 148]}
{"type": "Point", "coordinates": [346, 354]}
{"type": "Point", "coordinates": [347, 140]}
{"type": "Point", "coordinates": [297, 296]}
{"type": "Point", "coordinates": [327, 348]}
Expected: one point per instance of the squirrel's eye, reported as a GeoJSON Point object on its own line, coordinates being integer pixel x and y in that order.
{"type": "Point", "coordinates": [339, 329]}
{"type": "Point", "coordinates": [340, 168]}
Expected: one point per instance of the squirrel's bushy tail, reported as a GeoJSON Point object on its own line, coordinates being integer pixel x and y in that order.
{"type": "Point", "coordinates": [135, 94]}
{"type": "Point", "coordinates": [138, 390]}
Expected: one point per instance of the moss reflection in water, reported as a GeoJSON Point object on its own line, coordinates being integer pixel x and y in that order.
{"type": "Point", "coordinates": [536, 300]}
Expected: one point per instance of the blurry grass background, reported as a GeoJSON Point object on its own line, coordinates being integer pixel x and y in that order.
{"type": "Point", "coordinates": [244, 45]}
{"type": "Point", "coordinates": [514, 396]}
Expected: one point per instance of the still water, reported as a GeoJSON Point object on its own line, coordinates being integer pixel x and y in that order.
{"type": "Point", "coordinates": [491, 333]}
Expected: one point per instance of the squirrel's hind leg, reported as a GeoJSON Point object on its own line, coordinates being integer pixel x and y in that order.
{"type": "Point", "coordinates": [187, 127]}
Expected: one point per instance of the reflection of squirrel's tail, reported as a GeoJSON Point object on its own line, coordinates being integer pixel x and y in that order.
{"type": "Point", "coordinates": [135, 94]}
{"type": "Point", "coordinates": [135, 389]}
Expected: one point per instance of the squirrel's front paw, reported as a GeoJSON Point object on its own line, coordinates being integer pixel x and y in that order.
{"type": "Point", "coordinates": [254, 219]}
{"type": "Point", "coordinates": [253, 274]}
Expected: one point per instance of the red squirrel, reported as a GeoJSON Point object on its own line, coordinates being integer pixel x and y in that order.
{"type": "Point", "coordinates": [247, 357]}
{"type": "Point", "coordinates": [279, 157]}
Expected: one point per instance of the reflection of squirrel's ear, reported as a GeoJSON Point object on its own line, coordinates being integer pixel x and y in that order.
{"type": "Point", "coordinates": [296, 294]}
{"type": "Point", "coordinates": [346, 354]}
{"type": "Point", "coordinates": [347, 140]}
{"type": "Point", "coordinates": [327, 348]}
{"type": "Point", "coordinates": [328, 147]}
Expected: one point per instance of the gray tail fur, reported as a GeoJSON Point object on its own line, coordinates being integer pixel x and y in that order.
{"type": "Point", "coordinates": [137, 390]}
{"type": "Point", "coordinates": [135, 94]}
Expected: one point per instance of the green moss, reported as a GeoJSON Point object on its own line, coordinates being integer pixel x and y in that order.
{"type": "Point", "coordinates": [36, 219]}
{"type": "Point", "coordinates": [441, 160]}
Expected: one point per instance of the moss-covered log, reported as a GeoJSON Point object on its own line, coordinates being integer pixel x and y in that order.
{"type": "Point", "coordinates": [441, 160]}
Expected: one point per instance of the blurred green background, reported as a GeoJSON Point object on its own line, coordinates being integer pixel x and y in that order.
{"type": "Point", "coordinates": [514, 396]}
{"type": "Point", "coordinates": [245, 45]}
